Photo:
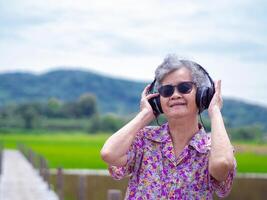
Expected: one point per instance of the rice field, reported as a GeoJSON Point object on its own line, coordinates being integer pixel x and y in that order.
{"type": "Point", "coordinates": [78, 150]}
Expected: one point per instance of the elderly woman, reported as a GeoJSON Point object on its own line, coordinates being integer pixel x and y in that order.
{"type": "Point", "coordinates": [177, 160]}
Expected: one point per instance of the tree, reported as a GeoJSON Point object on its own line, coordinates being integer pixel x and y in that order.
{"type": "Point", "coordinates": [86, 105]}
{"type": "Point", "coordinates": [69, 110]}
{"type": "Point", "coordinates": [54, 107]}
{"type": "Point", "coordinates": [249, 133]}
{"type": "Point", "coordinates": [107, 123]}
{"type": "Point", "coordinates": [29, 113]}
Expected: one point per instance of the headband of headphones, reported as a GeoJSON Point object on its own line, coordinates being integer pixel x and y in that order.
{"type": "Point", "coordinates": [207, 74]}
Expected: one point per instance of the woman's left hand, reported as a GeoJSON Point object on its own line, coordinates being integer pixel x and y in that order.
{"type": "Point", "coordinates": [216, 101]}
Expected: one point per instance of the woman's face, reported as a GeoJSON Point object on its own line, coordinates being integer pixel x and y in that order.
{"type": "Point", "coordinates": [178, 104]}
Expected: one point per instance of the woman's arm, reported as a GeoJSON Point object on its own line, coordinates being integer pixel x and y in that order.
{"type": "Point", "coordinates": [221, 159]}
{"type": "Point", "coordinates": [115, 148]}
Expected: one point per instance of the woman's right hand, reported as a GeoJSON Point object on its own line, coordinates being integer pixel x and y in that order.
{"type": "Point", "coordinates": [125, 136]}
{"type": "Point", "coordinates": [144, 104]}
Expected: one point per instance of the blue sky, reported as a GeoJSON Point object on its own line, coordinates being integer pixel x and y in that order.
{"type": "Point", "coordinates": [129, 38]}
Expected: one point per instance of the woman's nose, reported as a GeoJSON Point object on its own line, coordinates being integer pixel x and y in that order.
{"type": "Point", "coordinates": [176, 93]}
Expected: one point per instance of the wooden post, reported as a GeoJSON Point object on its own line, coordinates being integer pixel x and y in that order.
{"type": "Point", "coordinates": [34, 164]}
{"type": "Point", "coordinates": [114, 194]}
{"type": "Point", "coordinates": [1, 156]}
{"type": "Point", "coordinates": [19, 147]}
{"type": "Point", "coordinates": [46, 172]}
{"type": "Point", "coordinates": [30, 156]}
{"type": "Point", "coordinates": [22, 149]}
{"type": "Point", "coordinates": [82, 188]}
{"type": "Point", "coordinates": [60, 184]}
{"type": "Point", "coordinates": [42, 165]}
{"type": "Point", "coordinates": [1, 161]}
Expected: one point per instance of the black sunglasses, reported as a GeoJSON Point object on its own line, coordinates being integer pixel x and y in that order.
{"type": "Point", "coordinates": [183, 88]}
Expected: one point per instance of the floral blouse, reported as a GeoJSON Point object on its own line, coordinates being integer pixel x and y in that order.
{"type": "Point", "coordinates": [155, 172]}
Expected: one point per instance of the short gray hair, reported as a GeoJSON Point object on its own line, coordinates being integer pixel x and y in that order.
{"type": "Point", "coordinates": [172, 63]}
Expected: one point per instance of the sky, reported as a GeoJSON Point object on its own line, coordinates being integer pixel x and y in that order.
{"type": "Point", "coordinates": [129, 39]}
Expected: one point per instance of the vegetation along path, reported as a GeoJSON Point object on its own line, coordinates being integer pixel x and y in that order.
{"type": "Point", "coordinates": [20, 181]}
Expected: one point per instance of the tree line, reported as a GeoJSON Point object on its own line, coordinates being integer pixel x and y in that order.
{"type": "Point", "coordinates": [58, 115]}
{"type": "Point", "coordinates": [83, 114]}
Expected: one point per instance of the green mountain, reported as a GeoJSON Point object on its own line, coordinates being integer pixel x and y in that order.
{"type": "Point", "coordinates": [113, 95]}
{"type": "Point", "coordinates": [238, 113]}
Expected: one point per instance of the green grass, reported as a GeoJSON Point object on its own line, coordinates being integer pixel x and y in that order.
{"type": "Point", "coordinates": [251, 162]}
{"type": "Point", "coordinates": [81, 150]}
{"type": "Point", "coordinates": [76, 150]}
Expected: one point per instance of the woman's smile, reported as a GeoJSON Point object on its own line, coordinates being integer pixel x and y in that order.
{"type": "Point", "coordinates": [177, 104]}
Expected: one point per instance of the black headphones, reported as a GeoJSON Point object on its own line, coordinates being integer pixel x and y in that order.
{"type": "Point", "coordinates": [204, 95]}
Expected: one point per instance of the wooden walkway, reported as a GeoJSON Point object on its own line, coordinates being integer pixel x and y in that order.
{"type": "Point", "coordinates": [20, 181]}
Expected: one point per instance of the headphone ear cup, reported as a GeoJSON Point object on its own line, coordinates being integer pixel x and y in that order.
{"type": "Point", "coordinates": [155, 104]}
{"type": "Point", "coordinates": [203, 98]}
{"type": "Point", "coordinates": [155, 101]}
{"type": "Point", "coordinates": [160, 111]}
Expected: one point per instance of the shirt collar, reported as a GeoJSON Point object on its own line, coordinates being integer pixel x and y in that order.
{"type": "Point", "coordinates": [157, 133]}
{"type": "Point", "coordinates": [200, 141]}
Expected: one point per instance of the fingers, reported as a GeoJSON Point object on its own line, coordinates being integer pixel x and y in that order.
{"type": "Point", "coordinates": [145, 91]}
{"type": "Point", "coordinates": [218, 93]}
{"type": "Point", "coordinates": [149, 96]}
{"type": "Point", "coordinates": [218, 87]}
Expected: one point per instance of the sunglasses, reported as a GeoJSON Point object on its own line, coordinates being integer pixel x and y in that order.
{"type": "Point", "coordinates": [183, 88]}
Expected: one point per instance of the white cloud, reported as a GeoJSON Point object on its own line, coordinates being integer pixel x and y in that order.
{"type": "Point", "coordinates": [129, 38]}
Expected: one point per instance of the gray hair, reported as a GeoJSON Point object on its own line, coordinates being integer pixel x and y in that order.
{"type": "Point", "coordinates": [172, 63]}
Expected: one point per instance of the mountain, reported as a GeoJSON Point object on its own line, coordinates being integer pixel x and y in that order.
{"type": "Point", "coordinates": [113, 95]}
{"type": "Point", "coordinates": [238, 113]}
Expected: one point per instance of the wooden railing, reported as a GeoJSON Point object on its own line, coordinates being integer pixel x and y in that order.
{"type": "Point", "coordinates": [41, 164]}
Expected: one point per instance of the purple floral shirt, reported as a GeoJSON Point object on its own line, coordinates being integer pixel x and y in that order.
{"type": "Point", "coordinates": [155, 172]}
